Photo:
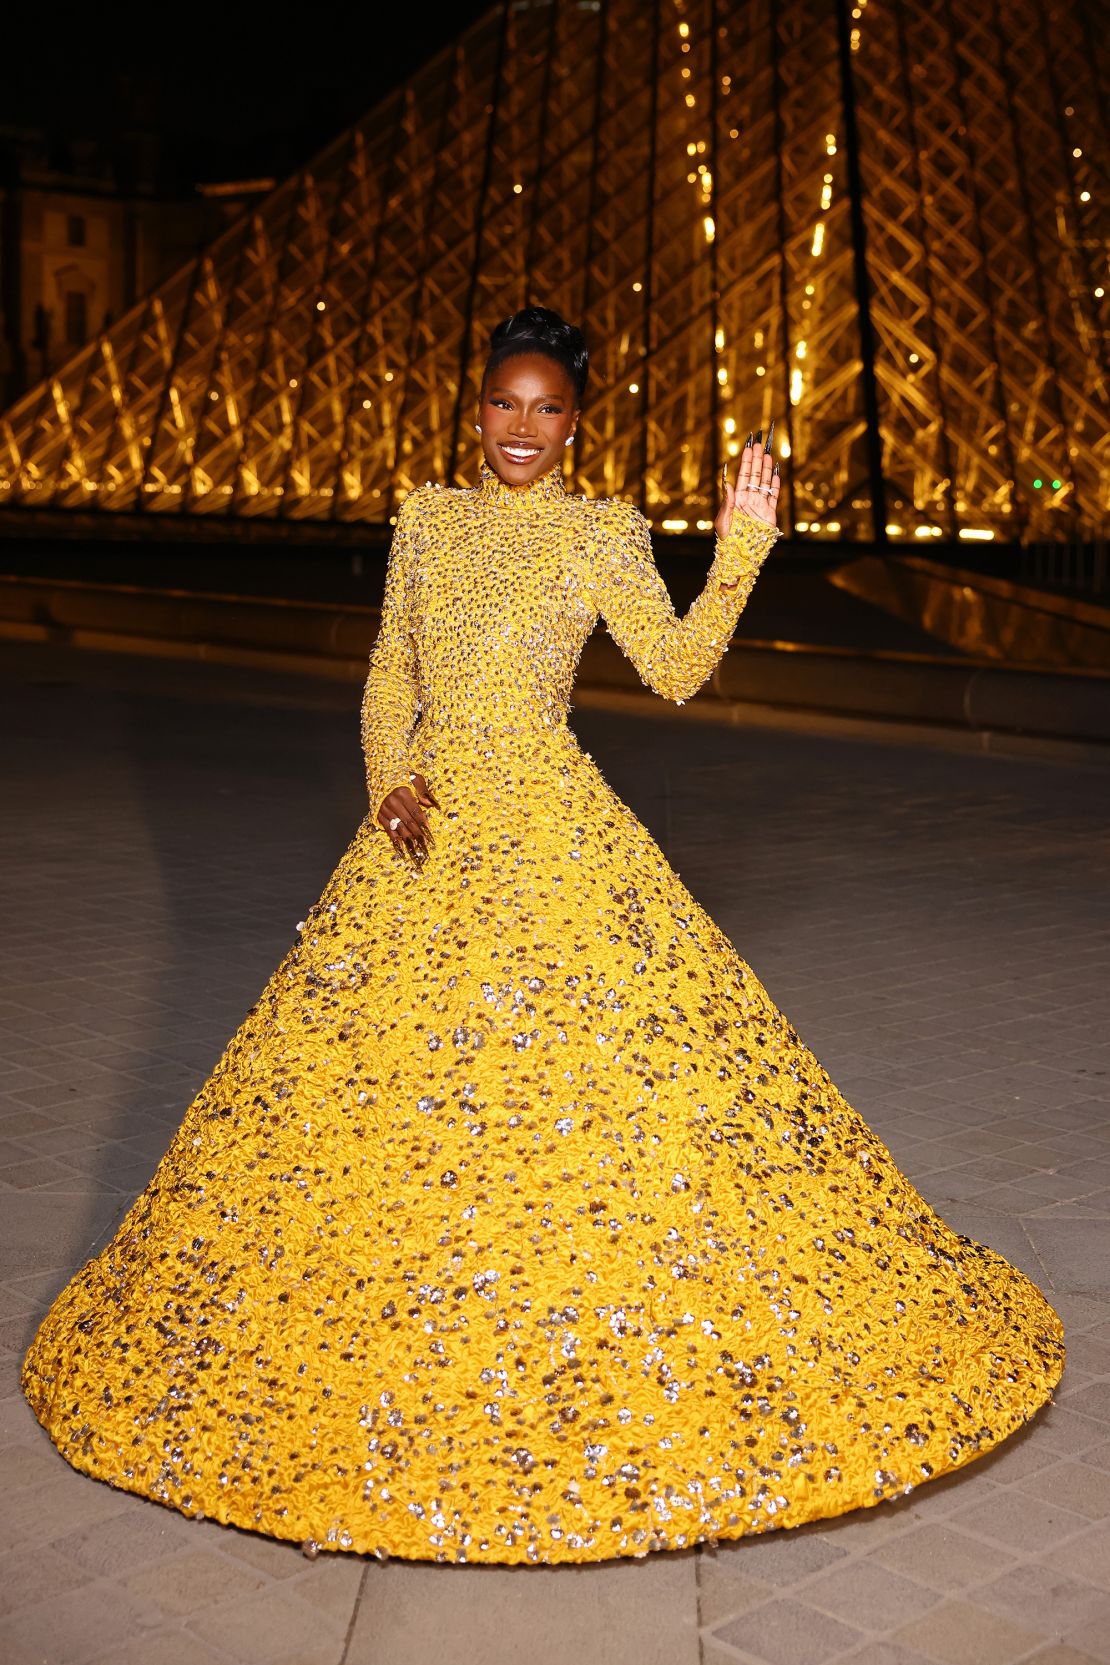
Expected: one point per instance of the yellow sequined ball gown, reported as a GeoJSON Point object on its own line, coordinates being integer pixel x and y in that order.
{"type": "Point", "coordinates": [516, 1223]}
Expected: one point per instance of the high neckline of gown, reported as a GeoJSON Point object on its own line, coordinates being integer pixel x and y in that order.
{"type": "Point", "coordinates": [544, 489]}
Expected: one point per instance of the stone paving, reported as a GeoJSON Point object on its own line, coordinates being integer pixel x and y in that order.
{"type": "Point", "coordinates": [936, 925]}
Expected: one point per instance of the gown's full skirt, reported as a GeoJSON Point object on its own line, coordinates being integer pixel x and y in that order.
{"type": "Point", "coordinates": [517, 1224]}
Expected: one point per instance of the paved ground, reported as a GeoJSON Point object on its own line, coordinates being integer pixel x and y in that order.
{"type": "Point", "coordinates": [931, 922]}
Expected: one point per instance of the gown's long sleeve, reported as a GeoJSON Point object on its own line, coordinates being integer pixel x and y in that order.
{"type": "Point", "coordinates": [673, 656]}
{"type": "Point", "coordinates": [391, 697]}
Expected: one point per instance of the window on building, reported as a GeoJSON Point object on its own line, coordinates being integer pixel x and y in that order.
{"type": "Point", "coordinates": [77, 318]}
{"type": "Point", "coordinates": [76, 231]}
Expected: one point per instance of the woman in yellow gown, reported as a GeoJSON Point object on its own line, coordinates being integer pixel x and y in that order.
{"type": "Point", "coordinates": [516, 1223]}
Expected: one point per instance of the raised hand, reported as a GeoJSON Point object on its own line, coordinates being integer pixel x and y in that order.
{"type": "Point", "coordinates": [756, 489]}
{"type": "Point", "coordinates": [407, 804]}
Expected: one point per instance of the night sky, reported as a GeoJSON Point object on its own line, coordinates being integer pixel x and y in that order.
{"type": "Point", "coordinates": [231, 92]}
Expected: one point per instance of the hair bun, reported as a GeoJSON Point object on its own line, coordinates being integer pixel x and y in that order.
{"type": "Point", "coordinates": [537, 329]}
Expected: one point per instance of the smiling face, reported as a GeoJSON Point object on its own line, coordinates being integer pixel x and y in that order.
{"type": "Point", "coordinates": [527, 412]}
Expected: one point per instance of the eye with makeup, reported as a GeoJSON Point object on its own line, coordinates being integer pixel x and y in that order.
{"type": "Point", "coordinates": [553, 410]}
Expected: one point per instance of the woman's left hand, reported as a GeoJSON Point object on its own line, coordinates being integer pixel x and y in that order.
{"type": "Point", "coordinates": [756, 489]}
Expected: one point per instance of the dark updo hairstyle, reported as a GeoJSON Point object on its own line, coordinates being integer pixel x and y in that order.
{"type": "Point", "coordinates": [536, 329]}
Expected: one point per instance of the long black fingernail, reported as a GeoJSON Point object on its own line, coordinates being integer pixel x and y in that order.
{"type": "Point", "coordinates": [759, 437]}
{"type": "Point", "coordinates": [748, 441]}
{"type": "Point", "coordinates": [770, 435]}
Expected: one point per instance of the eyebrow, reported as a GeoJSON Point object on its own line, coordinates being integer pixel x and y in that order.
{"type": "Point", "coordinates": [556, 398]}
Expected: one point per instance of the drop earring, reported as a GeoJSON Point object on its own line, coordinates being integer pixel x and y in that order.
{"type": "Point", "coordinates": [477, 427]}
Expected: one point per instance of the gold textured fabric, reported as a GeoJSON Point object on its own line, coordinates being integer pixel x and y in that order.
{"type": "Point", "coordinates": [516, 1223]}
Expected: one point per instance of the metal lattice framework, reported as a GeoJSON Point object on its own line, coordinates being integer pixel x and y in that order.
{"type": "Point", "coordinates": [884, 223]}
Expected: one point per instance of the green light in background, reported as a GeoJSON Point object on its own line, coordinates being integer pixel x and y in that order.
{"type": "Point", "coordinates": [1038, 484]}
{"type": "Point", "coordinates": [1056, 485]}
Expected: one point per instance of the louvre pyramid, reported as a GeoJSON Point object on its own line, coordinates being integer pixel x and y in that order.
{"type": "Point", "coordinates": [883, 223]}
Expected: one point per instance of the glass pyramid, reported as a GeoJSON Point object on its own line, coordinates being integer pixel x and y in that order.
{"type": "Point", "coordinates": [885, 224]}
